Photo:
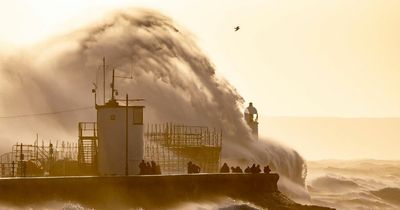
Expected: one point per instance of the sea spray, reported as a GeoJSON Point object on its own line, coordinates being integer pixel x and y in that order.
{"type": "Point", "coordinates": [176, 79]}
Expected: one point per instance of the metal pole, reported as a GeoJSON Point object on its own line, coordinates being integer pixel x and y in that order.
{"type": "Point", "coordinates": [126, 136]}
{"type": "Point", "coordinates": [104, 80]}
{"type": "Point", "coordinates": [20, 166]}
{"type": "Point", "coordinates": [112, 86]}
{"type": "Point", "coordinates": [37, 147]}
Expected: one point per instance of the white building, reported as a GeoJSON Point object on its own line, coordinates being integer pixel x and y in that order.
{"type": "Point", "coordinates": [120, 129]}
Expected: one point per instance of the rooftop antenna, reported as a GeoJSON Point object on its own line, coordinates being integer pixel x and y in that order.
{"type": "Point", "coordinates": [94, 90]}
{"type": "Point", "coordinates": [113, 91]}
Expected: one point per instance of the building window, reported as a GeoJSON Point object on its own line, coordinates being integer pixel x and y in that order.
{"type": "Point", "coordinates": [112, 117]}
{"type": "Point", "coordinates": [138, 116]}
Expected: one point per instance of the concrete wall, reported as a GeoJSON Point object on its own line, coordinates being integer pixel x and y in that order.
{"type": "Point", "coordinates": [120, 192]}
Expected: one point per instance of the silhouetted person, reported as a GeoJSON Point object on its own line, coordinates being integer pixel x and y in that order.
{"type": "Point", "coordinates": [247, 170]}
{"type": "Point", "coordinates": [224, 168]}
{"type": "Point", "coordinates": [193, 168]}
{"type": "Point", "coordinates": [238, 170]}
{"type": "Point", "coordinates": [153, 167]}
{"type": "Point", "coordinates": [142, 168]}
{"type": "Point", "coordinates": [190, 167]}
{"type": "Point", "coordinates": [197, 169]}
{"type": "Point", "coordinates": [148, 168]}
{"type": "Point", "coordinates": [253, 168]}
{"type": "Point", "coordinates": [258, 169]}
{"type": "Point", "coordinates": [267, 170]}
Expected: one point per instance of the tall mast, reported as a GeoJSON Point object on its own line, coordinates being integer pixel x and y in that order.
{"type": "Point", "coordinates": [104, 80]}
{"type": "Point", "coordinates": [126, 137]}
{"type": "Point", "coordinates": [112, 86]}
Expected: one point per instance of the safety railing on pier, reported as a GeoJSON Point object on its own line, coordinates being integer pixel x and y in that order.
{"type": "Point", "coordinates": [173, 146]}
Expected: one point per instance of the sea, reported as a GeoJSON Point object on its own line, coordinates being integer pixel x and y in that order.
{"type": "Point", "coordinates": [354, 184]}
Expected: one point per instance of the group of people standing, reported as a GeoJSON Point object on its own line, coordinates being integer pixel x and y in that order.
{"type": "Point", "coordinates": [254, 169]}
{"type": "Point", "coordinates": [149, 168]}
{"type": "Point", "coordinates": [193, 168]}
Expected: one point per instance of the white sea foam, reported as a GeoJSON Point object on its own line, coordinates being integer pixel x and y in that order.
{"type": "Point", "coordinates": [363, 184]}
{"type": "Point", "coordinates": [178, 82]}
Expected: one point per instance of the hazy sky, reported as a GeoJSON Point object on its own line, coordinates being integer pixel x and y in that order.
{"type": "Point", "coordinates": [291, 58]}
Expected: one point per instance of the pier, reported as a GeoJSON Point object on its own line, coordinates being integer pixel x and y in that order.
{"type": "Point", "coordinates": [141, 191]}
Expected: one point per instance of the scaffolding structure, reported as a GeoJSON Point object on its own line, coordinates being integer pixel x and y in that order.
{"type": "Point", "coordinates": [173, 146]}
{"type": "Point", "coordinates": [87, 147]}
{"type": "Point", "coordinates": [35, 159]}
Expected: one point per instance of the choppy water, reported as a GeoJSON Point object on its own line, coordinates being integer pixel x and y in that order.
{"type": "Point", "coordinates": [220, 204]}
{"type": "Point", "coordinates": [361, 184]}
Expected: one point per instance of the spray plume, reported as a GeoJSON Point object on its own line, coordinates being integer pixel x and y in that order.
{"type": "Point", "coordinates": [176, 79]}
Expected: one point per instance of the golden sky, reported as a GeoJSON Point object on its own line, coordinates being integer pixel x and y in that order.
{"type": "Point", "coordinates": [291, 58]}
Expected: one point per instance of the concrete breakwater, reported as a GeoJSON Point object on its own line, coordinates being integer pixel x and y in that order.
{"type": "Point", "coordinates": [134, 191]}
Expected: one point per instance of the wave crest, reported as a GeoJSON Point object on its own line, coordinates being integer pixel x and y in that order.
{"type": "Point", "coordinates": [177, 80]}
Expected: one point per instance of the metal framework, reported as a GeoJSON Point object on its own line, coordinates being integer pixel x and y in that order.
{"type": "Point", "coordinates": [169, 145]}
{"type": "Point", "coordinates": [35, 160]}
{"type": "Point", "coordinates": [173, 146]}
{"type": "Point", "coordinates": [87, 149]}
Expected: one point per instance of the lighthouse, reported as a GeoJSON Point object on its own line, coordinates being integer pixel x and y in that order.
{"type": "Point", "coordinates": [251, 118]}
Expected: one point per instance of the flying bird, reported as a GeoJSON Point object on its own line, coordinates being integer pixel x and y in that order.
{"type": "Point", "coordinates": [175, 29]}
{"type": "Point", "coordinates": [237, 28]}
